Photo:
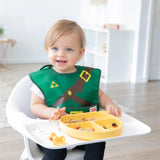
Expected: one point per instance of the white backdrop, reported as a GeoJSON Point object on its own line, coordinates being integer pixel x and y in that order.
{"type": "Point", "coordinates": [27, 21]}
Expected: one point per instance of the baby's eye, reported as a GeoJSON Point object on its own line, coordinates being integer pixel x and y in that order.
{"type": "Point", "coordinates": [55, 48]}
{"type": "Point", "coordinates": [69, 49]}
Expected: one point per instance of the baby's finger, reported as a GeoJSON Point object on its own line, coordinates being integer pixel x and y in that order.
{"type": "Point", "coordinates": [64, 108]}
{"type": "Point", "coordinates": [116, 111]}
{"type": "Point", "coordinates": [119, 112]}
{"type": "Point", "coordinates": [110, 110]}
{"type": "Point", "coordinates": [58, 109]}
{"type": "Point", "coordinates": [55, 116]}
{"type": "Point", "coordinates": [52, 119]}
{"type": "Point", "coordinates": [62, 112]}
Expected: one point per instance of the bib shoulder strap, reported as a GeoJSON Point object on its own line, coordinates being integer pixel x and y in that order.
{"type": "Point", "coordinates": [46, 66]}
{"type": "Point", "coordinates": [77, 87]}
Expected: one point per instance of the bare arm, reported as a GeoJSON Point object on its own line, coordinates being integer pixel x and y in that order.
{"type": "Point", "coordinates": [108, 104]}
{"type": "Point", "coordinates": [40, 110]}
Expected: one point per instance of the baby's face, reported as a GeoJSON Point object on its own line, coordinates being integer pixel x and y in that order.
{"type": "Point", "coordinates": [65, 53]}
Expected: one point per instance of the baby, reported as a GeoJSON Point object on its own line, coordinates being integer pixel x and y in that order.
{"type": "Point", "coordinates": [64, 87]}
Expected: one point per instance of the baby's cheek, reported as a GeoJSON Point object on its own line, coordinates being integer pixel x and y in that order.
{"type": "Point", "coordinates": [50, 54]}
{"type": "Point", "coordinates": [51, 57]}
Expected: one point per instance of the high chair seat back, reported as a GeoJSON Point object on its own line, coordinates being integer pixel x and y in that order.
{"type": "Point", "coordinates": [18, 108]}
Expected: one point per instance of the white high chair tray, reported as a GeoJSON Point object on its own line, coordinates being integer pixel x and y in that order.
{"type": "Point", "coordinates": [40, 131]}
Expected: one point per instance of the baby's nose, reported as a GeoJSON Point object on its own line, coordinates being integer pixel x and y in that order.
{"type": "Point", "coordinates": [61, 53]}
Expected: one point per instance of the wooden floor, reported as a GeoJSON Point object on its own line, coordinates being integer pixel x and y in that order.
{"type": "Point", "coordinates": [143, 101]}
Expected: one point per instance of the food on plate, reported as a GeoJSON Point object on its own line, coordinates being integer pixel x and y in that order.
{"type": "Point", "coordinates": [91, 125]}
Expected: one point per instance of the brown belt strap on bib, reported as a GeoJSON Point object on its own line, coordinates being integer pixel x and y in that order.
{"type": "Point", "coordinates": [77, 87]}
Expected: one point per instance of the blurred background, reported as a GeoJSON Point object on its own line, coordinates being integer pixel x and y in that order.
{"type": "Point", "coordinates": [27, 22]}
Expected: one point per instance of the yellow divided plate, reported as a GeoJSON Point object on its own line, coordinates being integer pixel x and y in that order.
{"type": "Point", "coordinates": [91, 125]}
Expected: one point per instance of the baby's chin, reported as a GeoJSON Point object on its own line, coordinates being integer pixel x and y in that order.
{"type": "Point", "coordinates": [61, 69]}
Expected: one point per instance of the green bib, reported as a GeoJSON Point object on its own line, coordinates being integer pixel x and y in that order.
{"type": "Point", "coordinates": [78, 91]}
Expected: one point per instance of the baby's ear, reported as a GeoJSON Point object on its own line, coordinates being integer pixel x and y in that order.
{"type": "Point", "coordinates": [46, 49]}
{"type": "Point", "coordinates": [82, 51]}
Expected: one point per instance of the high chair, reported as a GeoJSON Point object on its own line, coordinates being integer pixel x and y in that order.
{"type": "Point", "coordinates": [19, 114]}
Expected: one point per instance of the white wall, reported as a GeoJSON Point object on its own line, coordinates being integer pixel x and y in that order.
{"type": "Point", "coordinates": [126, 13]}
{"type": "Point", "coordinates": [27, 21]}
{"type": "Point", "coordinates": [122, 12]}
{"type": "Point", "coordinates": [154, 73]}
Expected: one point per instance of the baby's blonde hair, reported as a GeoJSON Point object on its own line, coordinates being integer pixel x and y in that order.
{"type": "Point", "coordinates": [62, 27]}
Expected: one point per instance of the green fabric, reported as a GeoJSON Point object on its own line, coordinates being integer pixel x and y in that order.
{"type": "Point", "coordinates": [54, 84]}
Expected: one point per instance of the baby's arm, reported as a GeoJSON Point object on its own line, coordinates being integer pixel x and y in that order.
{"type": "Point", "coordinates": [108, 104]}
{"type": "Point", "coordinates": [40, 110]}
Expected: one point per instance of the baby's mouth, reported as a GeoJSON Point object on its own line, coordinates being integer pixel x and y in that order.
{"type": "Point", "coordinates": [61, 61]}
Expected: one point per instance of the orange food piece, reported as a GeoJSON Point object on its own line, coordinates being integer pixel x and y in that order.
{"type": "Point", "coordinates": [78, 127]}
{"type": "Point", "coordinates": [93, 129]}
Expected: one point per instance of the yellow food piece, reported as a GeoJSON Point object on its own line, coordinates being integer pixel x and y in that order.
{"type": "Point", "coordinates": [57, 141]}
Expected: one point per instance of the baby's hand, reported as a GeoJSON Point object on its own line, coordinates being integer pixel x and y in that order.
{"type": "Point", "coordinates": [114, 110]}
{"type": "Point", "coordinates": [56, 114]}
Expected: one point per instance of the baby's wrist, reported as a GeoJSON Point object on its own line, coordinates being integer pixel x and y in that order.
{"type": "Point", "coordinates": [52, 113]}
